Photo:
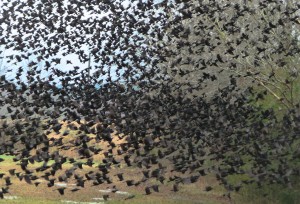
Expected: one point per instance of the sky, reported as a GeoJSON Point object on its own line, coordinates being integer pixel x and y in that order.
{"type": "Point", "coordinates": [4, 65]}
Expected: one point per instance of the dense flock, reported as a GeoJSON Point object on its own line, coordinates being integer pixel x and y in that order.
{"type": "Point", "coordinates": [157, 97]}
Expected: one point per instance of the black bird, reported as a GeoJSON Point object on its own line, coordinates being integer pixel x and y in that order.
{"type": "Point", "coordinates": [7, 181]}
{"type": "Point", "coordinates": [51, 182]}
{"type": "Point", "coordinates": [175, 187]}
{"type": "Point", "coordinates": [75, 189]}
{"type": "Point", "coordinates": [61, 190]}
{"type": "Point", "coordinates": [130, 182]}
{"type": "Point", "coordinates": [27, 179]}
{"type": "Point", "coordinates": [208, 188]}
{"type": "Point", "coordinates": [120, 176]}
{"type": "Point", "coordinates": [155, 188]}
{"type": "Point", "coordinates": [105, 197]}
{"type": "Point", "coordinates": [147, 190]}
{"type": "Point", "coordinates": [12, 171]}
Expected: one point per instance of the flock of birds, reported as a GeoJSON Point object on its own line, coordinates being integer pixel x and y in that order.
{"type": "Point", "coordinates": [152, 117]}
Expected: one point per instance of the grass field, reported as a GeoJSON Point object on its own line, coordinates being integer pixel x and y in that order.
{"type": "Point", "coordinates": [21, 192]}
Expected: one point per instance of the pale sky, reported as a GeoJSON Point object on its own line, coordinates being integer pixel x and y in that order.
{"type": "Point", "coordinates": [63, 66]}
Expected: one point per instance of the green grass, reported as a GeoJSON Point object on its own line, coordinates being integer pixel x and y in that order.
{"type": "Point", "coordinates": [28, 201]}
{"type": "Point", "coordinates": [7, 157]}
{"type": "Point", "coordinates": [8, 160]}
{"type": "Point", "coordinates": [274, 193]}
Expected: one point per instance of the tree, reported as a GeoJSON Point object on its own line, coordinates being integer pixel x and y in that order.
{"type": "Point", "coordinates": [252, 41]}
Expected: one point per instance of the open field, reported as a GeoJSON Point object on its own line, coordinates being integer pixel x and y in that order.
{"type": "Point", "coordinates": [21, 192]}
{"type": "Point", "coordinates": [39, 192]}
{"type": "Point", "coordinates": [24, 193]}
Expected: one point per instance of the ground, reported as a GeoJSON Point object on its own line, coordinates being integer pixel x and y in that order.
{"type": "Point", "coordinates": [22, 192]}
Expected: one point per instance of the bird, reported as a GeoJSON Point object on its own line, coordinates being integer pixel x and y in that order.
{"type": "Point", "coordinates": [7, 181]}
{"type": "Point", "coordinates": [105, 197]}
{"type": "Point", "coordinates": [120, 176]}
{"type": "Point", "coordinates": [75, 189]}
{"type": "Point", "coordinates": [147, 190]}
{"type": "Point", "coordinates": [129, 182]}
{"type": "Point", "coordinates": [61, 190]}
{"type": "Point", "coordinates": [51, 182]}
{"type": "Point", "coordinates": [208, 188]}
{"type": "Point", "coordinates": [155, 188]}
{"type": "Point", "coordinates": [175, 187]}
{"type": "Point", "coordinates": [12, 172]}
